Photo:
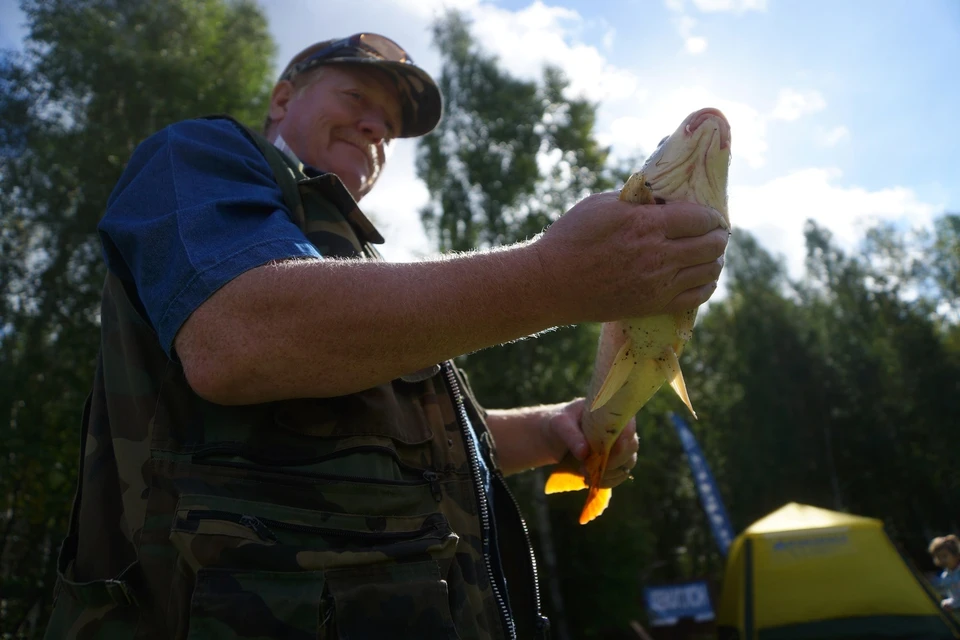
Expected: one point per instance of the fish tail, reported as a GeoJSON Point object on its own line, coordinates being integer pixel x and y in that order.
{"type": "Point", "coordinates": [597, 498]}
{"type": "Point", "coordinates": [597, 501]}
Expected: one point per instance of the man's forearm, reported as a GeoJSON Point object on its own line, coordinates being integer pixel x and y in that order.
{"type": "Point", "coordinates": [331, 327]}
{"type": "Point", "coordinates": [524, 440]}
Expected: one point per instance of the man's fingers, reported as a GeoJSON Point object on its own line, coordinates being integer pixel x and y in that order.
{"type": "Point", "coordinates": [623, 453]}
{"type": "Point", "coordinates": [691, 298]}
{"type": "Point", "coordinates": [570, 434]}
{"type": "Point", "coordinates": [616, 475]}
{"type": "Point", "coordinates": [700, 250]}
{"type": "Point", "coordinates": [698, 276]}
{"type": "Point", "coordinates": [688, 220]}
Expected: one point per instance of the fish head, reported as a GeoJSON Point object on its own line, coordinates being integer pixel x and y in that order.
{"type": "Point", "coordinates": [692, 163]}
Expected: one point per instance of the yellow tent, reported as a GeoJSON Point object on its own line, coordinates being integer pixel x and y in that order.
{"type": "Point", "coordinates": [804, 572]}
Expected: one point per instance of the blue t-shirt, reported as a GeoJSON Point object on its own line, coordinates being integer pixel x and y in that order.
{"type": "Point", "coordinates": [196, 207]}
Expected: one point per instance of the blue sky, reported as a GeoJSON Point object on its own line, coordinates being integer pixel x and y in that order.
{"type": "Point", "coordinates": [843, 110]}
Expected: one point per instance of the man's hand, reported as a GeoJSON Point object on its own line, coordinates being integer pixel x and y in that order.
{"type": "Point", "coordinates": [534, 437]}
{"type": "Point", "coordinates": [607, 260]}
{"type": "Point", "coordinates": [565, 433]}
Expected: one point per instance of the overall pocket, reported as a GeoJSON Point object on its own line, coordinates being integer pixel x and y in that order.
{"type": "Point", "coordinates": [255, 569]}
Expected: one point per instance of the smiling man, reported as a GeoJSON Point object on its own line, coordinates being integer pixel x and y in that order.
{"type": "Point", "coordinates": [277, 443]}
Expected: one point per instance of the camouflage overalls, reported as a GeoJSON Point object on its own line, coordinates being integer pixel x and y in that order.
{"type": "Point", "coordinates": [359, 516]}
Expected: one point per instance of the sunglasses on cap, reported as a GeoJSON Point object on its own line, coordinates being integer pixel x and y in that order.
{"type": "Point", "coordinates": [363, 45]}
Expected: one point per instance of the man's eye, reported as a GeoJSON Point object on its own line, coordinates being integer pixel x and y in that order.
{"type": "Point", "coordinates": [662, 141]}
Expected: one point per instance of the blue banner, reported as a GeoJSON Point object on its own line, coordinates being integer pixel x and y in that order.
{"type": "Point", "coordinates": [666, 604]}
{"type": "Point", "coordinates": [709, 494]}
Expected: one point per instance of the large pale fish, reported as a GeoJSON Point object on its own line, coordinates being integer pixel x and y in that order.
{"type": "Point", "coordinates": [636, 356]}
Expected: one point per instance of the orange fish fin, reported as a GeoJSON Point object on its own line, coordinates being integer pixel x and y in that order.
{"type": "Point", "coordinates": [619, 370]}
{"type": "Point", "coordinates": [597, 501]}
{"type": "Point", "coordinates": [598, 498]}
{"type": "Point", "coordinates": [566, 476]}
{"type": "Point", "coordinates": [670, 365]}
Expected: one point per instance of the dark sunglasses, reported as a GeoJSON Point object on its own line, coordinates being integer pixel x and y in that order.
{"type": "Point", "coordinates": [365, 44]}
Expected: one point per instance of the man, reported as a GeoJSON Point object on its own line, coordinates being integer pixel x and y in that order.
{"type": "Point", "coordinates": [277, 443]}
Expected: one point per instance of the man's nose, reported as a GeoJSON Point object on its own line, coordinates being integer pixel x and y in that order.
{"type": "Point", "coordinates": [374, 127]}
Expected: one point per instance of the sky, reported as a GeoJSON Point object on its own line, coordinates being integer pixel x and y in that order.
{"type": "Point", "coordinates": [840, 111]}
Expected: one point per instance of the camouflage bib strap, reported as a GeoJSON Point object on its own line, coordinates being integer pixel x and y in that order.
{"type": "Point", "coordinates": [283, 171]}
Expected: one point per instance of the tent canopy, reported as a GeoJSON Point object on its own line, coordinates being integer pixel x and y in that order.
{"type": "Point", "coordinates": [806, 572]}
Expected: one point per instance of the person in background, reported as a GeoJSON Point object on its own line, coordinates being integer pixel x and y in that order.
{"type": "Point", "coordinates": [946, 555]}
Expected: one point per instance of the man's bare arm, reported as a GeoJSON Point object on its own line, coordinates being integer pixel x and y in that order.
{"type": "Point", "coordinates": [323, 328]}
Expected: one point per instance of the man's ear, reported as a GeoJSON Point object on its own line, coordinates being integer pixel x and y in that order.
{"type": "Point", "coordinates": [279, 99]}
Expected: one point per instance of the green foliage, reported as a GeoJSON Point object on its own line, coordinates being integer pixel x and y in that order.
{"type": "Point", "coordinates": [95, 78]}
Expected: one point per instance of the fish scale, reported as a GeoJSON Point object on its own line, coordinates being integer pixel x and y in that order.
{"type": "Point", "coordinates": [636, 356]}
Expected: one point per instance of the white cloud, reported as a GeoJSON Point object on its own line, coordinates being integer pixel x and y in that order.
{"type": "Point", "coordinates": [685, 24]}
{"type": "Point", "coordinates": [776, 211]}
{"type": "Point", "coordinates": [739, 6]}
{"type": "Point", "coordinates": [792, 104]}
{"type": "Point", "coordinates": [695, 45]}
{"type": "Point", "coordinates": [833, 137]}
{"type": "Point", "coordinates": [525, 40]}
{"type": "Point", "coordinates": [608, 38]}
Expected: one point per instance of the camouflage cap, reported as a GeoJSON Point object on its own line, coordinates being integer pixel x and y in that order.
{"type": "Point", "coordinates": [422, 104]}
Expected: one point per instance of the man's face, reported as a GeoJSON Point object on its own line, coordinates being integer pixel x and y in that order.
{"type": "Point", "coordinates": [340, 122]}
{"type": "Point", "coordinates": [946, 559]}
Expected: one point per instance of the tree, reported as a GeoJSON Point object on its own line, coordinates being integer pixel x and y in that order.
{"type": "Point", "coordinates": [95, 78]}
{"type": "Point", "coordinates": [895, 390]}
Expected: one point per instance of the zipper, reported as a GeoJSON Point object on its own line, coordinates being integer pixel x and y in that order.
{"type": "Point", "coordinates": [473, 455]}
{"type": "Point", "coordinates": [263, 527]}
{"type": "Point", "coordinates": [542, 622]}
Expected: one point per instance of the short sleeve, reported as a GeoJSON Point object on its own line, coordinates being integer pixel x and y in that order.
{"type": "Point", "coordinates": [196, 206]}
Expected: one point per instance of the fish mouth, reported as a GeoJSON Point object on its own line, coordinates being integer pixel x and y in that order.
{"type": "Point", "coordinates": [710, 115]}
